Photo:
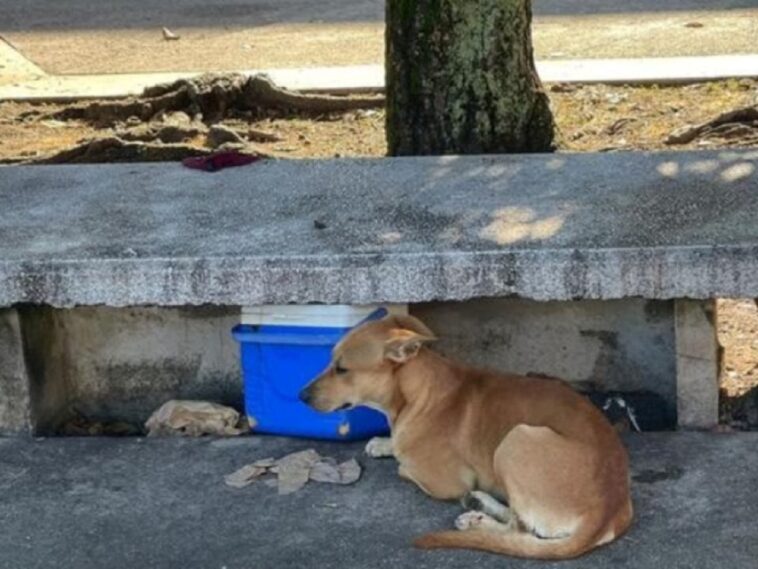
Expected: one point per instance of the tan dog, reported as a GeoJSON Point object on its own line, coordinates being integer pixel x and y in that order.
{"type": "Point", "coordinates": [459, 432]}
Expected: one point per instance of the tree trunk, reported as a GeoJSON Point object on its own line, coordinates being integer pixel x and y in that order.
{"type": "Point", "coordinates": [461, 79]}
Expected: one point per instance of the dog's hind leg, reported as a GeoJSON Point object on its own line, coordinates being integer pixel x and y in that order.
{"type": "Point", "coordinates": [483, 502]}
{"type": "Point", "coordinates": [379, 447]}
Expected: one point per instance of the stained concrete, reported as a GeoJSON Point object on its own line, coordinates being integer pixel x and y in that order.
{"type": "Point", "coordinates": [545, 227]}
{"type": "Point", "coordinates": [93, 503]}
{"type": "Point", "coordinates": [15, 415]}
{"type": "Point", "coordinates": [697, 362]}
{"type": "Point", "coordinates": [120, 365]}
{"type": "Point", "coordinates": [624, 345]}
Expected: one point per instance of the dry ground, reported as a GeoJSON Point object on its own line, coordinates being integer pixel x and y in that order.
{"type": "Point", "coordinates": [592, 117]}
{"type": "Point", "coordinates": [223, 42]}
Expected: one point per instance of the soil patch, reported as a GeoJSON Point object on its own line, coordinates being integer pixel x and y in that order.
{"type": "Point", "coordinates": [276, 122]}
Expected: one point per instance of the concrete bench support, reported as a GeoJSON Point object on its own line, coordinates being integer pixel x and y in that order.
{"type": "Point", "coordinates": [15, 401]}
{"type": "Point", "coordinates": [122, 363]}
{"type": "Point", "coordinates": [114, 270]}
{"type": "Point", "coordinates": [697, 365]}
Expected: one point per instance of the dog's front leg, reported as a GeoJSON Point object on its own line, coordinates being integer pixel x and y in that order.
{"type": "Point", "coordinates": [380, 447]}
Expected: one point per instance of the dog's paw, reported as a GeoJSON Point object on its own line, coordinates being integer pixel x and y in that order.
{"type": "Point", "coordinates": [471, 520]}
{"type": "Point", "coordinates": [379, 447]}
{"type": "Point", "coordinates": [483, 502]}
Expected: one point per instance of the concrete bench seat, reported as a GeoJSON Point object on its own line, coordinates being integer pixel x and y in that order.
{"type": "Point", "coordinates": [608, 226]}
{"type": "Point", "coordinates": [624, 252]}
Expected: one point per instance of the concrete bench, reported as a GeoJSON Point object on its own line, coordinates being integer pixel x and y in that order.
{"type": "Point", "coordinates": [592, 267]}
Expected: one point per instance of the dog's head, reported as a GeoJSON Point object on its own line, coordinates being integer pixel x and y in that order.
{"type": "Point", "coordinates": [363, 364]}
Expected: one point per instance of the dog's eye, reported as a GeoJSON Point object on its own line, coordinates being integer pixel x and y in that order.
{"type": "Point", "coordinates": [339, 370]}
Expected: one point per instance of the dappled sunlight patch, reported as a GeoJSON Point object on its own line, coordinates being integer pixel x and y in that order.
{"type": "Point", "coordinates": [668, 169]}
{"type": "Point", "coordinates": [555, 163]}
{"type": "Point", "coordinates": [738, 171]}
{"type": "Point", "coordinates": [512, 224]}
{"type": "Point", "coordinates": [703, 166]}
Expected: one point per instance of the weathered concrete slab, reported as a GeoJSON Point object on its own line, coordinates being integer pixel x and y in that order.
{"type": "Point", "coordinates": [90, 503]}
{"type": "Point", "coordinates": [546, 227]}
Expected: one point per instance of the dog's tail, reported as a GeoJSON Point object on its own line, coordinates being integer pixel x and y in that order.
{"type": "Point", "coordinates": [515, 543]}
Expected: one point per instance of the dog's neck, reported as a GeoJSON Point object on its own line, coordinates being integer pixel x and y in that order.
{"type": "Point", "coordinates": [425, 378]}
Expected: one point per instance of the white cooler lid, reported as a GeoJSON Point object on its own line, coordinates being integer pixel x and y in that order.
{"type": "Point", "coordinates": [315, 315]}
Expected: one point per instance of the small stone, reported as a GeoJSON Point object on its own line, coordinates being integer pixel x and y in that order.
{"type": "Point", "coordinates": [256, 135]}
{"type": "Point", "coordinates": [175, 133]}
{"type": "Point", "coordinates": [615, 98]}
{"type": "Point", "coordinates": [219, 134]}
{"type": "Point", "coordinates": [176, 118]}
{"type": "Point", "coordinates": [236, 146]}
{"type": "Point", "coordinates": [53, 124]}
{"type": "Point", "coordinates": [168, 35]}
{"type": "Point", "coordinates": [563, 88]}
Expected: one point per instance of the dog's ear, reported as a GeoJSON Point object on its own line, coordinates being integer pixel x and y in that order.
{"type": "Point", "coordinates": [405, 341]}
{"type": "Point", "coordinates": [412, 324]}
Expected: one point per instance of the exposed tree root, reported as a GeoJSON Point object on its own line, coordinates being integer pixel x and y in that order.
{"type": "Point", "coordinates": [114, 149]}
{"type": "Point", "coordinates": [213, 97]}
{"type": "Point", "coordinates": [737, 127]}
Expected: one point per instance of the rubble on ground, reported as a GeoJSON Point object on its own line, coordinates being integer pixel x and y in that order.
{"type": "Point", "coordinates": [295, 470]}
{"type": "Point", "coordinates": [194, 419]}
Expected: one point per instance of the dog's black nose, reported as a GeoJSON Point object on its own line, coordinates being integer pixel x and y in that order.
{"type": "Point", "coordinates": [305, 396]}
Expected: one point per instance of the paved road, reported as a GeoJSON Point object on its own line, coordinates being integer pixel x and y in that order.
{"type": "Point", "coordinates": [81, 36]}
{"type": "Point", "coordinates": [56, 15]}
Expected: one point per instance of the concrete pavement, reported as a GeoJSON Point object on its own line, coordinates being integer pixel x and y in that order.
{"type": "Point", "coordinates": [370, 78]}
{"type": "Point", "coordinates": [133, 503]}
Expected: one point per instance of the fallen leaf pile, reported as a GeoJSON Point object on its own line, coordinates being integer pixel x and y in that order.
{"type": "Point", "coordinates": [295, 470]}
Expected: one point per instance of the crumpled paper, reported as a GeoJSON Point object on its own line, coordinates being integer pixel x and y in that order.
{"type": "Point", "coordinates": [194, 419]}
{"type": "Point", "coordinates": [295, 470]}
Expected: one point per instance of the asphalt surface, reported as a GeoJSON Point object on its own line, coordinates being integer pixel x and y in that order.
{"type": "Point", "coordinates": [134, 503]}
{"type": "Point", "coordinates": [80, 36]}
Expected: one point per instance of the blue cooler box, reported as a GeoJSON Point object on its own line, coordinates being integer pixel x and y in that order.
{"type": "Point", "coordinates": [286, 351]}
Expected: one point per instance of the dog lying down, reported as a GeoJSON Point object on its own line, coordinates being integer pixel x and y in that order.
{"type": "Point", "coordinates": [483, 437]}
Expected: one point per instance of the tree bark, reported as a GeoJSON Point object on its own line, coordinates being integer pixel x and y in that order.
{"type": "Point", "coordinates": [461, 79]}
